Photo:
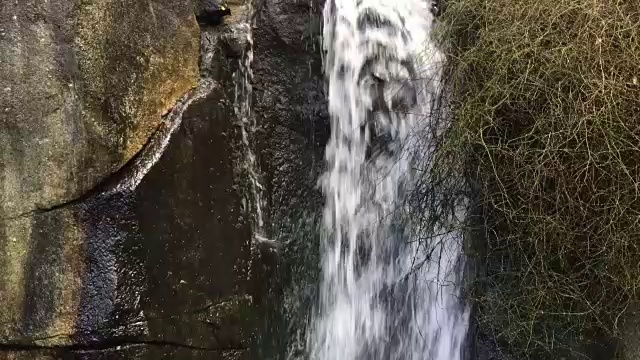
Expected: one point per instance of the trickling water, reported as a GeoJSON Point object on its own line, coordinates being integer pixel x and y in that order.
{"type": "Point", "coordinates": [382, 296]}
{"type": "Point", "coordinates": [253, 203]}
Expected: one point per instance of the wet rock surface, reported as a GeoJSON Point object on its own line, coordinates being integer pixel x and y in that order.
{"type": "Point", "coordinates": [155, 260]}
{"type": "Point", "coordinates": [292, 116]}
{"type": "Point", "coordinates": [150, 272]}
{"type": "Point", "coordinates": [290, 105]}
{"type": "Point", "coordinates": [122, 231]}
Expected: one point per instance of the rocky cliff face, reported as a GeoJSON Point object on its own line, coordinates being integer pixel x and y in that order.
{"type": "Point", "coordinates": [291, 110]}
{"type": "Point", "coordinates": [84, 85]}
{"type": "Point", "coordinates": [121, 226]}
{"type": "Point", "coordinates": [123, 230]}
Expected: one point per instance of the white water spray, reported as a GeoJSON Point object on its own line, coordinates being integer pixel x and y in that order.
{"type": "Point", "coordinates": [382, 296]}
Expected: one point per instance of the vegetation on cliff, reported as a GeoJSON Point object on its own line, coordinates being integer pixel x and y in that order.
{"type": "Point", "coordinates": [545, 102]}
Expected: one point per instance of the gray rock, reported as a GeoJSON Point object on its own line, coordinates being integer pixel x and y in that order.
{"type": "Point", "coordinates": [292, 115]}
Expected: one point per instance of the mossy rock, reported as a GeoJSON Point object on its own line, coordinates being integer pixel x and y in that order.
{"type": "Point", "coordinates": [84, 85]}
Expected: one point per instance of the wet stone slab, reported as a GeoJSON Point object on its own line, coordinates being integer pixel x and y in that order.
{"type": "Point", "coordinates": [155, 262]}
{"type": "Point", "coordinates": [162, 271]}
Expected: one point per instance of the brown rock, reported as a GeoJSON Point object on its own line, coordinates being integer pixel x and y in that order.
{"type": "Point", "coordinates": [83, 85]}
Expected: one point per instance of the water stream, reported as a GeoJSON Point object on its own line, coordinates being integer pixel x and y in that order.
{"type": "Point", "coordinates": [382, 294]}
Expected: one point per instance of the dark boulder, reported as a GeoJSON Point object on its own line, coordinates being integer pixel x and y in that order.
{"type": "Point", "coordinates": [212, 12]}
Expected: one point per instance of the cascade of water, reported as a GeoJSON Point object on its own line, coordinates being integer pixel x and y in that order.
{"type": "Point", "coordinates": [254, 202]}
{"type": "Point", "coordinates": [382, 296]}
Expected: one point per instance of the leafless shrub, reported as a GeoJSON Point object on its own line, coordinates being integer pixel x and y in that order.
{"type": "Point", "coordinates": [544, 104]}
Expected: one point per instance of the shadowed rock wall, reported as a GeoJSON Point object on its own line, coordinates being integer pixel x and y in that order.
{"type": "Point", "coordinates": [104, 252]}
{"type": "Point", "coordinates": [291, 110]}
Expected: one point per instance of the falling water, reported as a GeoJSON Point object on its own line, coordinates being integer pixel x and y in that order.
{"type": "Point", "coordinates": [382, 295]}
{"type": "Point", "coordinates": [253, 202]}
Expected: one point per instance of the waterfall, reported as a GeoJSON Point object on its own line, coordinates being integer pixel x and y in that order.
{"type": "Point", "coordinates": [382, 294]}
